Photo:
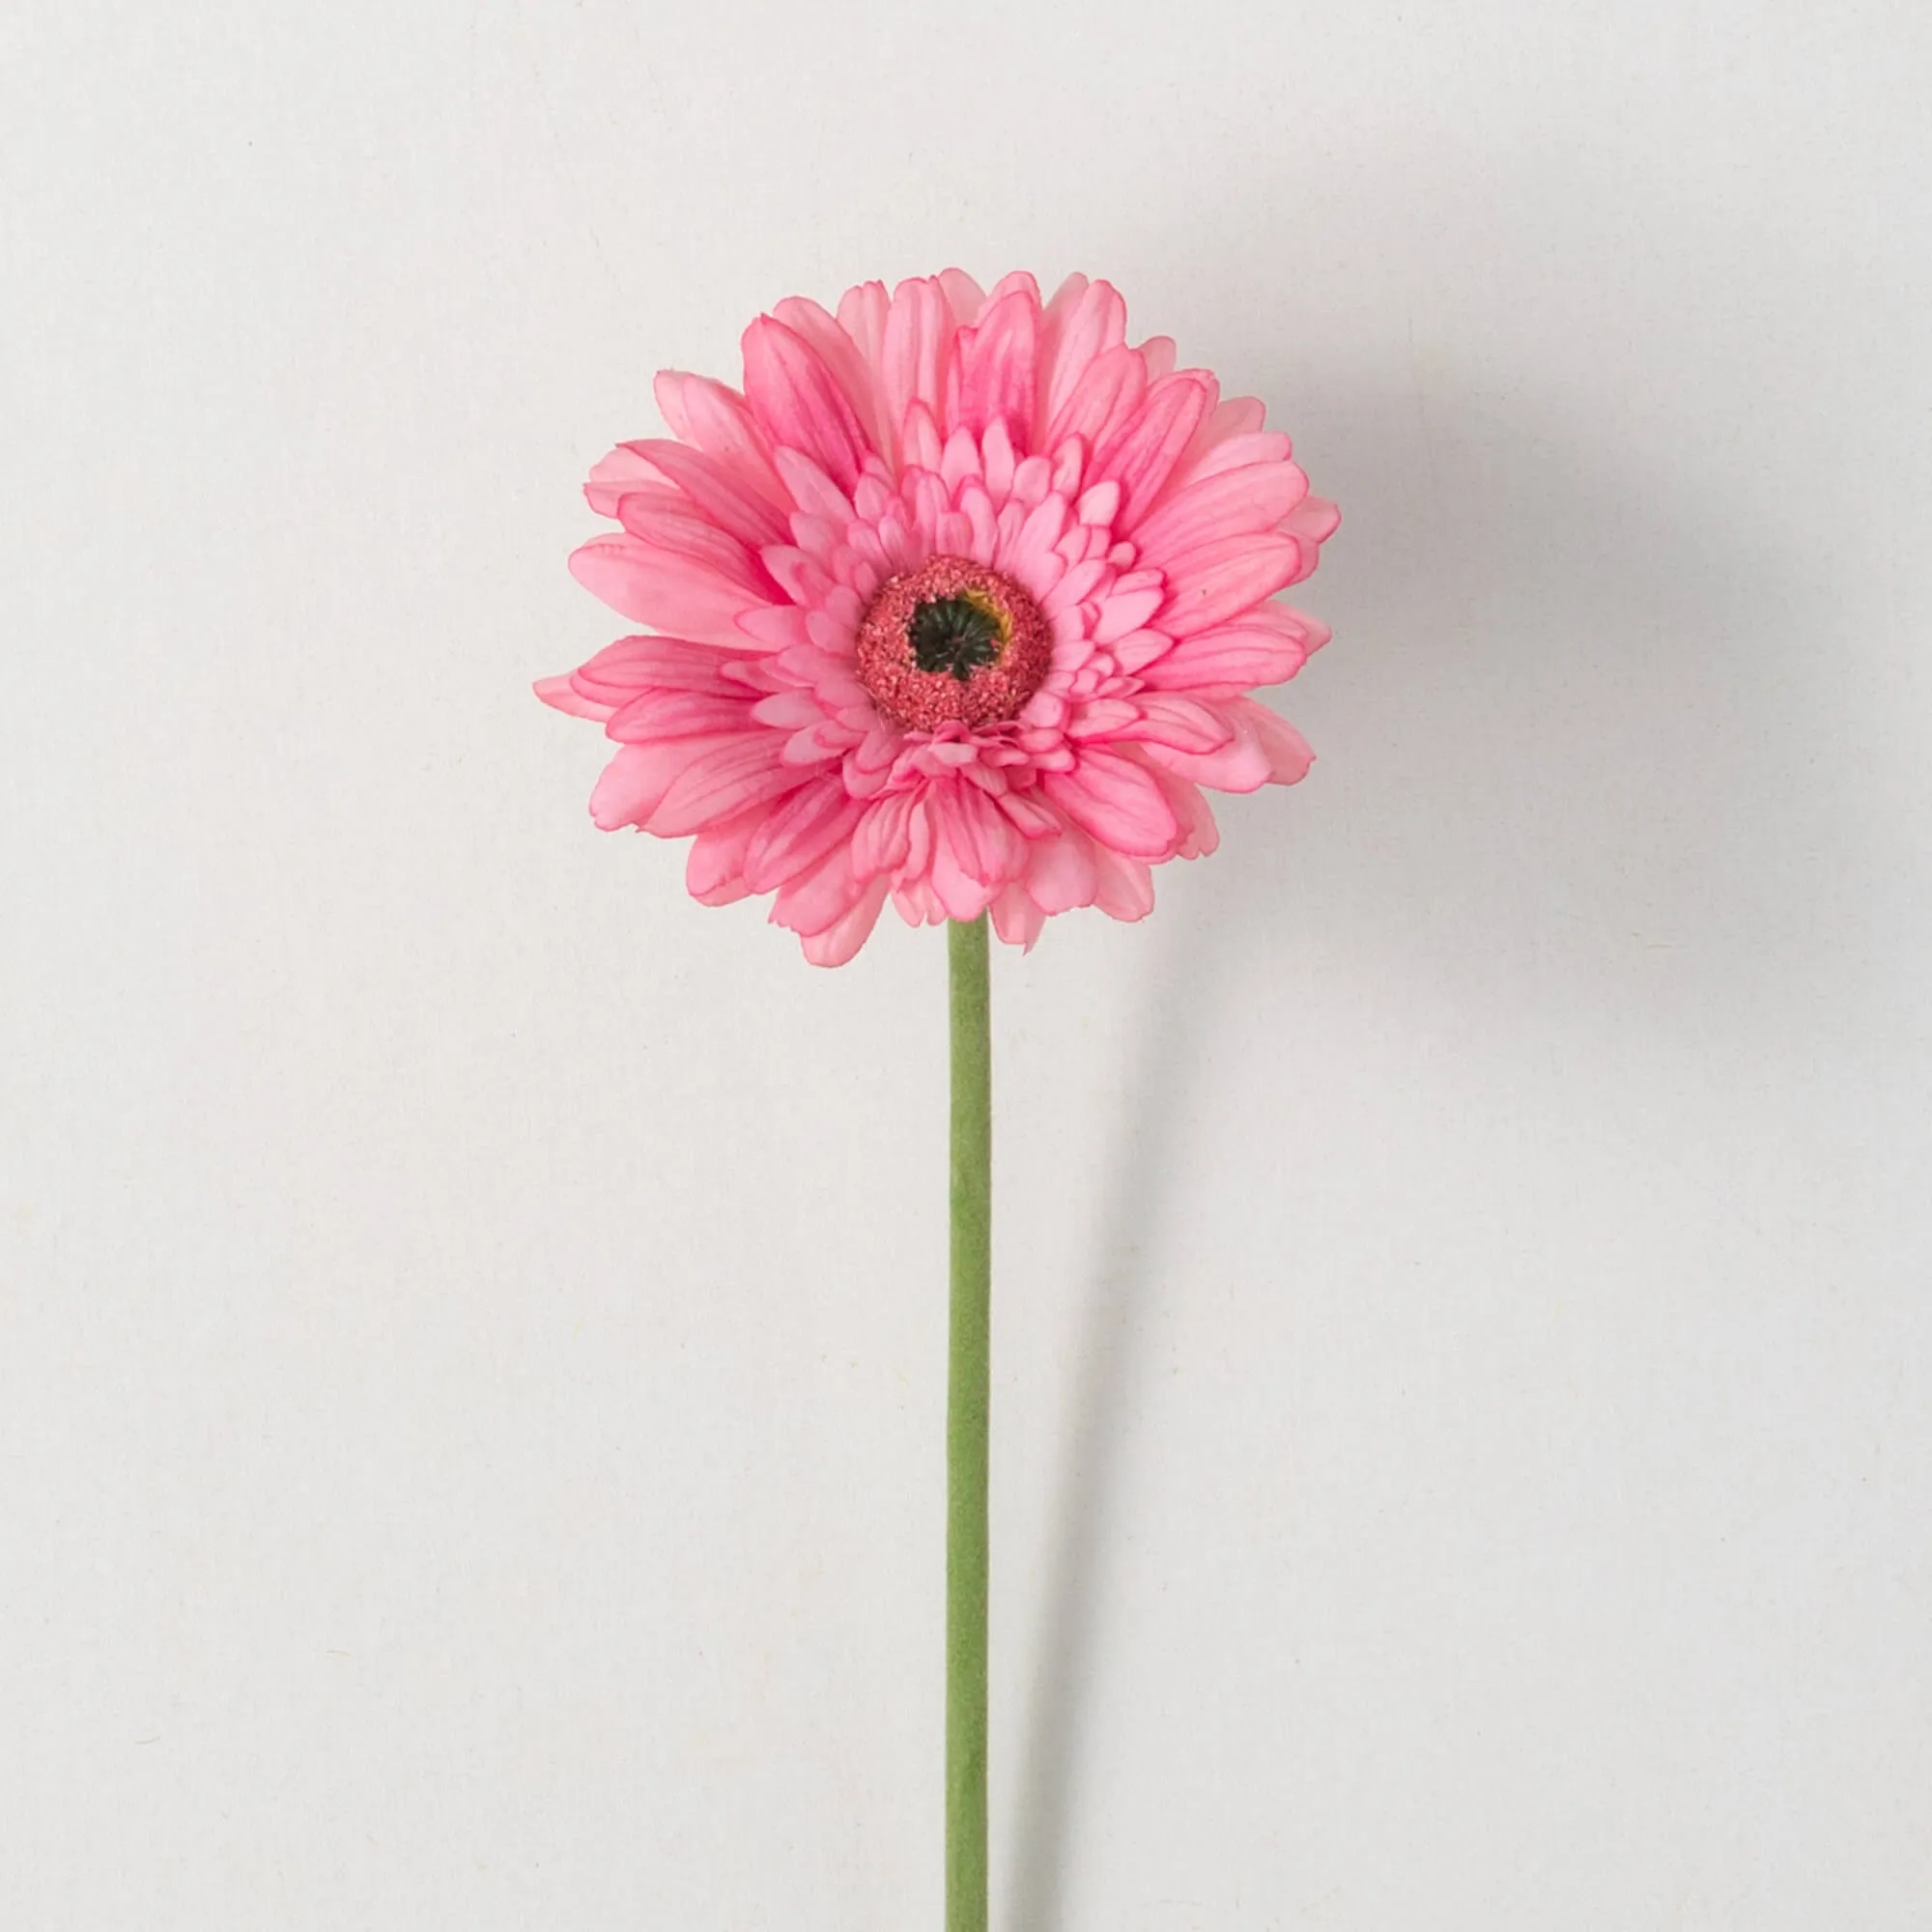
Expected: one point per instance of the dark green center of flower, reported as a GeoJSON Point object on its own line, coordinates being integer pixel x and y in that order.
{"type": "Point", "coordinates": [955, 633]}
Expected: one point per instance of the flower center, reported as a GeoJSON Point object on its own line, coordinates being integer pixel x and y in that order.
{"type": "Point", "coordinates": [952, 643]}
{"type": "Point", "coordinates": [957, 635]}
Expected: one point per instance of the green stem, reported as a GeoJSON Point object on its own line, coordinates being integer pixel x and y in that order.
{"type": "Point", "coordinates": [968, 1406]}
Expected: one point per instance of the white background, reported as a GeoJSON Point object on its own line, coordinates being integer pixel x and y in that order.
{"type": "Point", "coordinates": [471, 1338]}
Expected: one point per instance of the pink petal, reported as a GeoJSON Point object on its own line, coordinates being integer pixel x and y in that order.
{"type": "Point", "coordinates": [1129, 605]}
{"type": "Point", "coordinates": [1034, 817]}
{"type": "Point", "coordinates": [1237, 415]}
{"type": "Point", "coordinates": [1235, 503]}
{"type": "Point", "coordinates": [815, 493]}
{"type": "Point", "coordinates": [1116, 800]}
{"type": "Point", "coordinates": [1217, 580]}
{"type": "Point", "coordinates": [1101, 717]}
{"type": "Point", "coordinates": [789, 710]}
{"type": "Point", "coordinates": [842, 939]}
{"type": "Point", "coordinates": [719, 492]}
{"type": "Point", "coordinates": [717, 421]}
{"type": "Point", "coordinates": [1157, 352]}
{"type": "Point", "coordinates": [1288, 751]}
{"type": "Point", "coordinates": [1248, 652]}
{"type": "Point", "coordinates": [921, 446]}
{"type": "Point", "coordinates": [620, 671]}
{"type": "Point", "coordinates": [1060, 873]}
{"type": "Point", "coordinates": [680, 714]}
{"type": "Point", "coordinates": [1316, 521]}
{"type": "Point", "coordinates": [882, 839]}
{"type": "Point", "coordinates": [1124, 886]}
{"type": "Point", "coordinates": [1183, 724]}
{"type": "Point", "coordinates": [714, 873]}
{"type": "Point", "coordinates": [1017, 278]}
{"type": "Point", "coordinates": [1142, 451]}
{"type": "Point", "coordinates": [1260, 446]}
{"type": "Point", "coordinates": [776, 627]}
{"type": "Point", "coordinates": [841, 352]}
{"type": "Point", "coordinates": [798, 832]}
{"type": "Point", "coordinates": [624, 470]}
{"type": "Point", "coordinates": [633, 782]}
{"type": "Point", "coordinates": [1102, 402]}
{"type": "Point", "coordinates": [682, 537]}
{"type": "Point", "coordinates": [1017, 918]}
{"type": "Point", "coordinates": [1082, 320]}
{"type": "Point", "coordinates": [986, 845]}
{"type": "Point", "coordinates": [797, 401]}
{"type": "Point", "coordinates": [1199, 834]}
{"type": "Point", "coordinates": [651, 586]}
{"type": "Point", "coordinates": [965, 296]}
{"type": "Point", "coordinates": [917, 903]}
{"type": "Point", "coordinates": [1139, 649]}
{"type": "Point", "coordinates": [1243, 764]}
{"type": "Point", "coordinates": [819, 897]}
{"type": "Point", "coordinates": [1031, 555]}
{"type": "Point", "coordinates": [998, 459]}
{"type": "Point", "coordinates": [562, 695]}
{"type": "Point", "coordinates": [862, 315]}
{"type": "Point", "coordinates": [722, 781]}
{"type": "Point", "coordinates": [992, 375]}
{"type": "Point", "coordinates": [917, 349]}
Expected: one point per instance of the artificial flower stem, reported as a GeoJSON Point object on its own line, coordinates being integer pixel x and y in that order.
{"type": "Point", "coordinates": [968, 1411]}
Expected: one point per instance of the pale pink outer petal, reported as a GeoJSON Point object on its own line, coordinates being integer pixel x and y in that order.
{"type": "Point", "coordinates": [1142, 454]}
{"type": "Point", "coordinates": [717, 421]}
{"type": "Point", "coordinates": [654, 587]}
{"type": "Point", "coordinates": [1288, 751]}
{"type": "Point", "coordinates": [1215, 581]}
{"type": "Point", "coordinates": [714, 874]}
{"type": "Point", "coordinates": [976, 849]}
{"type": "Point", "coordinates": [1232, 504]}
{"type": "Point", "coordinates": [966, 297]}
{"type": "Point", "coordinates": [1124, 887]}
{"type": "Point", "coordinates": [633, 783]}
{"type": "Point", "coordinates": [1114, 800]}
{"type": "Point", "coordinates": [1266, 645]}
{"type": "Point", "coordinates": [841, 354]}
{"type": "Point", "coordinates": [818, 898]}
{"type": "Point", "coordinates": [799, 832]}
{"type": "Point", "coordinates": [718, 490]}
{"type": "Point", "coordinates": [798, 402]}
{"type": "Point", "coordinates": [562, 695]}
{"type": "Point", "coordinates": [1018, 918]}
{"type": "Point", "coordinates": [620, 671]}
{"type": "Point", "coordinates": [1102, 402]}
{"type": "Point", "coordinates": [1082, 320]}
{"type": "Point", "coordinates": [613, 477]}
{"type": "Point", "coordinates": [917, 352]}
{"type": "Point", "coordinates": [841, 940]}
{"type": "Point", "coordinates": [1231, 416]}
{"type": "Point", "coordinates": [992, 375]}
{"type": "Point", "coordinates": [724, 779]}
{"type": "Point", "coordinates": [1060, 873]}
{"type": "Point", "coordinates": [1199, 834]}
{"type": "Point", "coordinates": [1266, 750]}
{"type": "Point", "coordinates": [680, 714]}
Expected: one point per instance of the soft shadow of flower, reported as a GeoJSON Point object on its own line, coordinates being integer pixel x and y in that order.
{"type": "Point", "coordinates": [1579, 782]}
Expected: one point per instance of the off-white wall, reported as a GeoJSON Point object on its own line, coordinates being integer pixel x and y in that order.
{"type": "Point", "coordinates": [471, 1336]}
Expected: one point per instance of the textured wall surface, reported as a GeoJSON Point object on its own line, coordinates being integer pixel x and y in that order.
{"type": "Point", "coordinates": [471, 1320]}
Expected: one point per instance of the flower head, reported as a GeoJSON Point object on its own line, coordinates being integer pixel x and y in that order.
{"type": "Point", "coordinates": [958, 603]}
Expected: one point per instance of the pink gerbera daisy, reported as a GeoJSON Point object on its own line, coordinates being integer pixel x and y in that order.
{"type": "Point", "coordinates": [960, 603]}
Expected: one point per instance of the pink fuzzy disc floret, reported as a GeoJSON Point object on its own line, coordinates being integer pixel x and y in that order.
{"type": "Point", "coordinates": [1123, 529]}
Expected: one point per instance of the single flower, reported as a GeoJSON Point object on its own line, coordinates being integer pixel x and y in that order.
{"type": "Point", "coordinates": [958, 601]}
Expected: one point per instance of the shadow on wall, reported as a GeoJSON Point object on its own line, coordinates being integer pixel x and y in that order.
{"type": "Point", "coordinates": [1577, 770]}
